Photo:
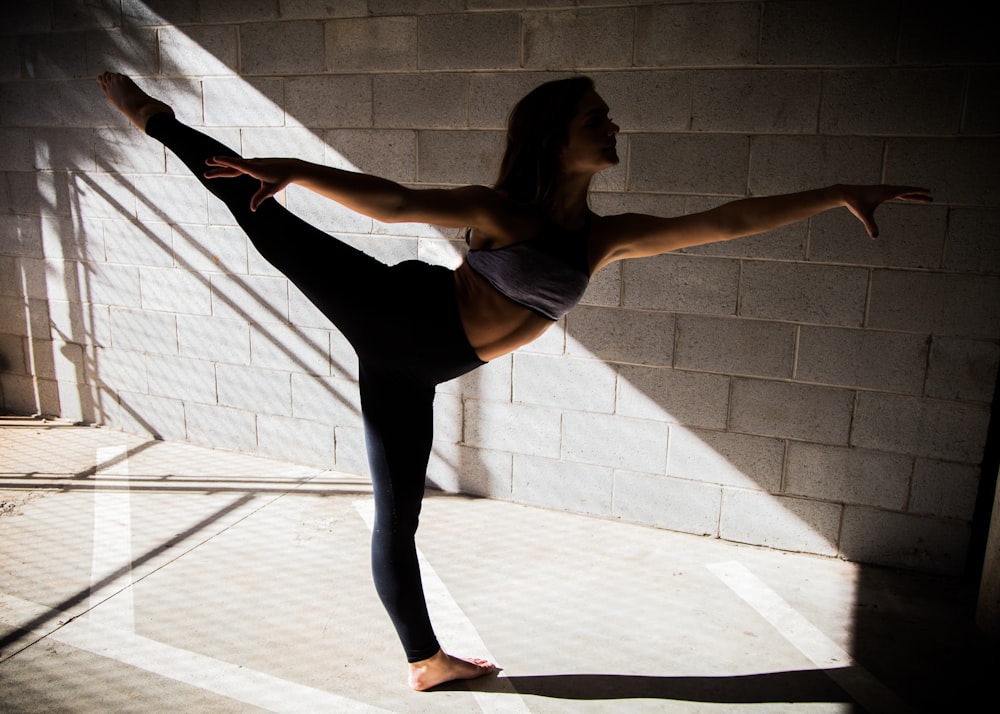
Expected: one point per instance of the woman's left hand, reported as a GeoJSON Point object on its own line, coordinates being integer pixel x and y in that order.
{"type": "Point", "coordinates": [863, 200]}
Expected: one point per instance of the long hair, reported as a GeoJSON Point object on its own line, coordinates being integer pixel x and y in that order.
{"type": "Point", "coordinates": [537, 131]}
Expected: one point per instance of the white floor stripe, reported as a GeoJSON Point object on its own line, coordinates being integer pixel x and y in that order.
{"type": "Point", "coordinates": [809, 639]}
{"type": "Point", "coordinates": [456, 628]}
{"type": "Point", "coordinates": [112, 543]}
{"type": "Point", "coordinates": [241, 684]}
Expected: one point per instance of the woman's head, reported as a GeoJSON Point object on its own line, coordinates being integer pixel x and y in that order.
{"type": "Point", "coordinates": [538, 131]}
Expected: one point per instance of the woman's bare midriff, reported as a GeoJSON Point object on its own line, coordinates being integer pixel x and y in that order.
{"type": "Point", "coordinates": [494, 324]}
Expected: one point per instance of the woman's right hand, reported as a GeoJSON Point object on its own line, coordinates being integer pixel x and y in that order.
{"type": "Point", "coordinates": [273, 174]}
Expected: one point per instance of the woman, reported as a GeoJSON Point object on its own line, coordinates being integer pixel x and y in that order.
{"type": "Point", "coordinates": [534, 244]}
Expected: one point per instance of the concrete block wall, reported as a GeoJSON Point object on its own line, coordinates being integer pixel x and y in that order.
{"type": "Point", "coordinates": [808, 389]}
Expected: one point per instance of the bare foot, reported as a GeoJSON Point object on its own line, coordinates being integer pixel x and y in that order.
{"type": "Point", "coordinates": [444, 667]}
{"type": "Point", "coordinates": [125, 95]}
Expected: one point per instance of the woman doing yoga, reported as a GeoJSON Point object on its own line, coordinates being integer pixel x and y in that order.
{"type": "Point", "coordinates": [533, 243]}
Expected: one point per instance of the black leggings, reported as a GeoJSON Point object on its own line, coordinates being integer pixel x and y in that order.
{"type": "Point", "coordinates": [403, 323]}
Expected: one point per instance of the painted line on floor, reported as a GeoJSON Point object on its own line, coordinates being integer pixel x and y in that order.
{"type": "Point", "coordinates": [809, 639]}
{"type": "Point", "coordinates": [112, 549]}
{"type": "Point", "coordinates": [233, 681]}
{"type": "Point", "coordinates": [456, 627]}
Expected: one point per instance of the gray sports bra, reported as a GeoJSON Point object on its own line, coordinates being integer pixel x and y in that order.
{"type": "Point", "coordinates": [547, 274]}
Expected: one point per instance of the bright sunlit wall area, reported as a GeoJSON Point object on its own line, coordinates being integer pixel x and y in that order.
{"type": "Point", "coordinates": [809, 389]}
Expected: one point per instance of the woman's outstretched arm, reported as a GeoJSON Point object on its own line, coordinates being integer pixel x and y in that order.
{"type": "Point", "coordinates": [633, 235]}
{"type": "Point", "coordinates": [373, 196]}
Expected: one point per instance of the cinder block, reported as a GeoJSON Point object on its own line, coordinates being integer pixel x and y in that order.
{"type": "Point", "coordinates": [352, 458]}
{"type": "Point", "coordinates": [735, 346]}
{"type": "Point", "coordinates": [219, 427]}
{"type": "Point", "coordinates": [615, 441]}
{"type": "Point", "coordinates": [960, 170]}
{"type": "Point", "coordinates": [794, 524]}
{"type": "Point", "coordinates": [470, 41]}
{"type": "Point", "coordinates": [213, 339]}
{"type": "Point", "coordinates": [794, 411]}
{"type": "Point", "coordinates": [152, 332]}
{"type": "Point", "coordinates": [616, 335]}
{"type": "Point", "coordinates": [414, 7]}
{"type": "Point", "coordinates": [18, 395]}
{"type": "Point", "coordinates": [938, 429]}
{"type": "Point", "coordinates": [10, 58]}
{"type": "Point", "coordinates": [888, 361]}
{"type": "Point", "coordinates": [19, 152]}
{"type": "Point", "coordinates": [116, 285]}
{"type": "Point", "coordinates": [697, 34]}
{"type": "Point", "coordinates": [982, 113]}
{"type": "Point", "coordinates": [674, 396]}
{"type": "Point", "coordinates": [54, 55]}
{"type": "Point", "coordinates": [332, 400]}
{"type": "Point", "coordinates": [72, 149]}
{"type": "Point", "coordinates": [755, 100]}
{"type": "Point", "coordinates": [820, 32]}
{"type": "Point", "coordinates": [910, 236]}
{"type": "Point", "coordinates": [449, 418]}
{"type": "Point", "coordinates": [329, 101]}
{"type": "Point", "coordinates": [290, 347]}
{"type": "Point", "coordinates": [174, 290]}
{"type": "Point", "coordinates": [327, 215]}
{"type": "Point", "coordinates": [958, 36]}
{"type": "Point", "coordinates": [261, 391]}
{"type": "Point", "coordinates": [552, 342]}
{"type": "Point", "coordinates": [130, 242]}
{"type": "Point", "coordinates": [493, 381]}
{"type": "Point", "coordinates": [188, 380]}
{"type": "Point", "coordinates": [323, 8]}
{"type": "Point", "coordinates": [52, 280]}
{"type": "Point", "coordinates": [963, 369]}
{"type": "Point", "coordinates": [945, 490]}
{"type": "Point", "coordinates": [159, 417]}
{"type": "Point", "coordinates": [146, 12]}
{"type": "Point", "coordinates": [283, 141]}
{"type": "Point", "coordinates": [179, 199]}
{"type": "Point", "coordinates": [121, 370]}
{"type": "Point", "coordinates": [464, 469]}
{"type": "Point", "coordinates": [675, 504]}
{"type": "Point", "coordinates": [647, 101]}
{"type": "Point", "coordinates": [388, 153]}
{"type": "Point", "coordinates": [516, 428]}
{"type": "Point", "coordinates": [935, 303]}
{"type": "Point", "coordinates": [127, 49]}
{"type": "Point", "coordinates": [893, 102]}
{"type": "Point", "coordinates": [12, 355]}
{"type": "Point", "coordinates": [580, 384]}
{"type": "Point", "coordinates": [110, 196]}
{"type": "Point", "coordinates": [412, 101]}
{"type": "Point", "coordinates": [243, 102]}
{"type": "Point", "coordinates": [252, 298]}
{"type": "Point", "coordinates": [846, 475]}
{"type": "Point", "coordinates": [971, 244]}
{"type": "Point", "coordinates": [205, 249]}
{"type": "Point", "coordinates": [688, 163]}
{"type": "Point", "coordinates": [562, 486]}
{"type": "Point", "coordinates": [372, 44]}
{"type": "Point", "coordinates": [95, 322]}
{"type": "Point", "coordinates": [682, 283]}
{"type": "Point", "coordinates": [785, 164]}
{"type": "Point", "coordinates": [726, 459]}
{"type": "Point", "coordinates": [459, 157]}
{"type": "Point", "coordinates": [296, 440]}
{"type": "Point", "coordinates": [239, 11]}
{"type": "Point", "coordinates": [287, 47]}
{"type": "Point", "coordinates": [904, 541]}
{"type": "Point", "coordinates": [825, 294]}
{"type": "Point", "coordinates": [10, 275]}
{"type": "Point", "coordinates": [496, 94]}
{"type": "Point", "coordinates": [579, 38]}
{"type": "Point", "coordinates": [605, 287]}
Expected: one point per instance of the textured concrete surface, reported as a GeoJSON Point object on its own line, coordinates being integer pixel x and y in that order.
{"type": "Point", "coordinates": [148, 576]}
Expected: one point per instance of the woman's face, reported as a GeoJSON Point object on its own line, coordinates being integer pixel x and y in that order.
{"type": "Point", "coordinates": [590, 143]}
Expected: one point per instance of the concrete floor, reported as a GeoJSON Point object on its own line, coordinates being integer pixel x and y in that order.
{"type": "Point", "coordinates": [143, 576]}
